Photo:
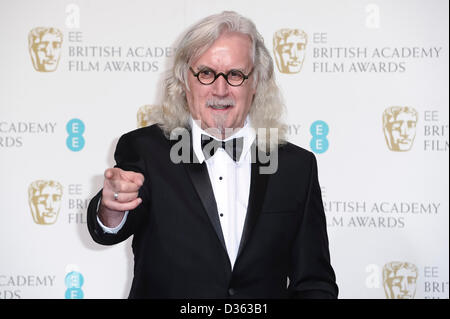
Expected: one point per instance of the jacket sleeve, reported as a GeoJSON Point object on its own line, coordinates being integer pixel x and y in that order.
{"type": "Point", "coordinates": [128, 157]}
{"type": "Point", "coordinates": [311, 274]}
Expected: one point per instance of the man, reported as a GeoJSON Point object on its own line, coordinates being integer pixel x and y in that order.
{"type": "Point", "coordinates": [216, 226]}
{"type": "Point", "coordinates": [45, 48]}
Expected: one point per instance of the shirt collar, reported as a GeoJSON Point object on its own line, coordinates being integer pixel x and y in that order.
{"type": "Point", "coordinates": [247, 132]}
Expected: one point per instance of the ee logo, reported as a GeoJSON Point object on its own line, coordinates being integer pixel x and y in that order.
{"type": "Point", "coordinates": [75, 140]}
{"type": "Point", "coordinates": [74, 280]}
{"type": "Point", "coordinates": [319, 131]}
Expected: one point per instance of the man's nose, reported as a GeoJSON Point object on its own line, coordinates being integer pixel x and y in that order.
{"type": "Point", "coordinates": [220, 86]}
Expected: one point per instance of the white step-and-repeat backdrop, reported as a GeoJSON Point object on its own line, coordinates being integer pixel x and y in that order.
{"type": "Point", "coordinates": [368, 94]}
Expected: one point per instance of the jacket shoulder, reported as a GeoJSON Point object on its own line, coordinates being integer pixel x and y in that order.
{"type": "Point", "coordinates": [295, 152]}
{"type": "Point", "coordinates": [134, 145]}
{"type": "Point", "coordinates": [152, 132]}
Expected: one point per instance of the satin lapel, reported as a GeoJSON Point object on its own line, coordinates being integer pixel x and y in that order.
{"type": "Point", "coordinates": [258, 186]}
{"type": "Point", "coordinates": [202, 184]}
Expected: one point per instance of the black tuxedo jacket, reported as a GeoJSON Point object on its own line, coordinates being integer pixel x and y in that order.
{"type": "Point", "coordinates": [178, 243]}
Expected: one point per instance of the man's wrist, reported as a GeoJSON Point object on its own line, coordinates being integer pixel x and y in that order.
{"type": "Point", "coordinates": [115, 221]}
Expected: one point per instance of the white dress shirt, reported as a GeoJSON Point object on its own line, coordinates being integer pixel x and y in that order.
{"type": "Point", "coordinates": [230, 181]}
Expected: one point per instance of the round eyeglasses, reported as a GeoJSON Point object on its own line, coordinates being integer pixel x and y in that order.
{"type": "Point", "coordinates": [207, 76]}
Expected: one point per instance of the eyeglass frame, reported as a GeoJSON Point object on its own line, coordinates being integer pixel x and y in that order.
{"type": "Point", "coordinates": [225, 76]}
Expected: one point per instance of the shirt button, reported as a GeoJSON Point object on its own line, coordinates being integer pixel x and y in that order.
{"type": "Point", "coordinates": [231, 292]}
{"type": "Point", "coordinates": [221, 215]}
{"type": "Point", "coordinates": [220, 178]}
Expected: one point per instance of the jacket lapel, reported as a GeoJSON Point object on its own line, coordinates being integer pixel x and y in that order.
{"type": "Point", "coordinates": [199, 176]}
{"type": "Point", "coordinates": [258, 186]}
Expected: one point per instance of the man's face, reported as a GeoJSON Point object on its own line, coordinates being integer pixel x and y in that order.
{"type": "Point", "coordinates": [45, 205]}
{"type": "Point", "coordinates": [402, 284]}
{"type": "Point", "coordinates": [231, 51]}
{"type": "Point", "coordinates": [290, 53]}
{"type": "Point", "coordinates": [402, 131]}
{"type": "Point", "coordinates": [47, 52]}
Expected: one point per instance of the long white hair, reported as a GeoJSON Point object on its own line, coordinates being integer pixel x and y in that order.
{"type": "Point", "coordinates": [267, 107]}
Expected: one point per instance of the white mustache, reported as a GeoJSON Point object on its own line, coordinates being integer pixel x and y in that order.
{"type": "Point", "coordinates": [220, 102]}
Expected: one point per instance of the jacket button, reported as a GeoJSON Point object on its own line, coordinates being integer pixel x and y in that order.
{"type": "Point", "coordinates": [231, 292]}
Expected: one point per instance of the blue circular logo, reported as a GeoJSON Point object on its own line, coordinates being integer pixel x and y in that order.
{"type": "Point", "coordinates": [75, 141]}
{"type": "Point", "coordinates": [319, 131]}
{"type": "Point", "coordinates": [74, 280]}
{"type": "Point", "coordinates": [74, 293]}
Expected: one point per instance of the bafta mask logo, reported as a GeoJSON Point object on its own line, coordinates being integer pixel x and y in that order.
{"type": "Point", "coordinates": [289, 49]}
{"type": "Point", "coordinates": [144, 117]}
{"type": "Point", "coordinates": [44, 198]}
{"type": "Point", "coordinates": [399, 127]}
{"type": "Point", "coordinates": [399, 280]}
{"type": "Point", "coordinates": [44, 45]}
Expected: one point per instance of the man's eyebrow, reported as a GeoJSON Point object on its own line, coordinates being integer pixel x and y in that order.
{"type": "Point", "coordinates": [238, 69]}
{"type": "Point", "coordinates": [205, 67]}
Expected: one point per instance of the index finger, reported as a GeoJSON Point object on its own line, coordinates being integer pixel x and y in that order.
{"type": "Point", "coordinates": [112, 173]}
{"type": "Point", "coordinates": [134, 177]}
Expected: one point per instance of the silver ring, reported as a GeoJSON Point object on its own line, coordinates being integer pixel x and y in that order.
{"type": "Point", "coordinates": [116, 196]}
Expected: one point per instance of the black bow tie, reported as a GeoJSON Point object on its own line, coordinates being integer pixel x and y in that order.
{"type": "Point", "coordinates": [233, 147]}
